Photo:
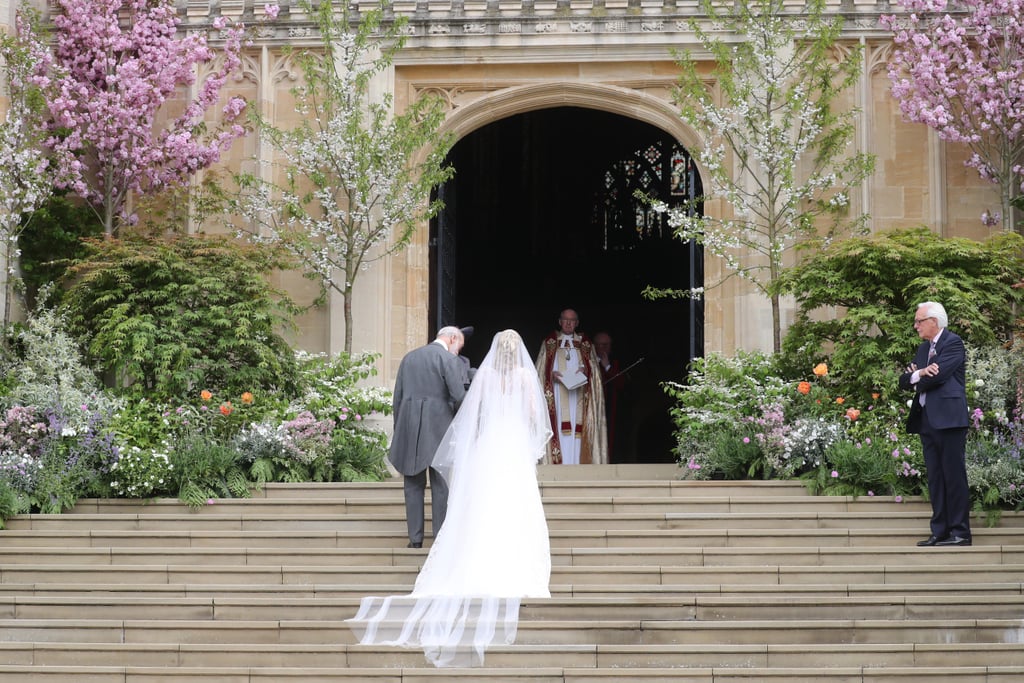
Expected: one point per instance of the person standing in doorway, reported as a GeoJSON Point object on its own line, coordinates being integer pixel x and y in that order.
{"type": "Point", "coordinates": [938, 412]}
{"type": "Point", "coordinates": [428, 390]}
{"type": "Point", "coordinates": [571, 377]}
{"type": "Point", "coordinates": [613, 380]}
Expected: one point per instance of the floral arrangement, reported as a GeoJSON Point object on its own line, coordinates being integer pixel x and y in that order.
{"type": "Point", "coordinates": [76, 439]}
{"type": "Point", "coordinates": [740, 417]}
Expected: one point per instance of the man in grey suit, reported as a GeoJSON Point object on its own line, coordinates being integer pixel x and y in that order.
{"type": "Point", "coordinates": [428, 390]}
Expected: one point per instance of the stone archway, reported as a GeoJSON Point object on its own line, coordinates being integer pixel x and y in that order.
{"type": "Point", "coordinates": [518, 99]}
{"type": "Point", "coordinates": [505, 273]}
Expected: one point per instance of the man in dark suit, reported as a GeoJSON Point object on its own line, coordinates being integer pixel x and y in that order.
{"type": "Point", "coordinates": [428, 390]}
{"type": "Point", "coordinates": [938, 413]}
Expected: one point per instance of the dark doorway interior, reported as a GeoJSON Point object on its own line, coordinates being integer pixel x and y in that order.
{"type": "Point", "coordinates": [526, 234]}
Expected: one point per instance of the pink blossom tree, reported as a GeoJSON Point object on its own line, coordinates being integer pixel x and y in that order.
{"type": "Point", "coordinates": [958, 67]}
{"type": "Point", "coordinates": [118, 64]}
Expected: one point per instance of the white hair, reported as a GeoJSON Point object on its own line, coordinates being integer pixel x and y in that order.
{"type": "Point", "coordinates": [933, 309]}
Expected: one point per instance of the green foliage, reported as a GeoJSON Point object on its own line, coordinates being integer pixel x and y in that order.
{"type": "Point", "coordinates": [883, 465]}
{"type": "Point", "coordinates": [743, 417]}
{"type": "Point", "coordinates": [202, 470]}
{"type": "Point", "coordinates": [48, 461]}
{"type": "Point", "coordinates": [876, 282]}
{"type": "Point", "coordinates": [330, 387]}
{"type": "Point", "coordinates": [12, 502]}
{"type": "Point", "coordinates": [359, 456]}
{"type": "Point", "coordinates": [995, 377]}
{"type": "Point", "coordinates": [52, 240]}
{"type": "Point", "coordinates": [166, 316]}
{"type": "Point", "coordinates": [48, 370]}
{"type": "Point", "coordinates": [60, 481]}
{"type": "Point", "coordinates": [995, 455]}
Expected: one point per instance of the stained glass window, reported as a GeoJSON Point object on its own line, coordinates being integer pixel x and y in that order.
{"type": "Point", "coordinates": [663, 170]}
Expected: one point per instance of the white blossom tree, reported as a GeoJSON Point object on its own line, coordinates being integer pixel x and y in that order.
{"type": "Point", "coordinates": [352, 190]}
{"type": "Point", "coordinates": [26, 180]}
{"type": "Point", "coordinates": [777, 150]}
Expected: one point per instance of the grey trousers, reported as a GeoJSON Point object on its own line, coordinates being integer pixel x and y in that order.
{"type": "Point", "coordinates": [415, 489]}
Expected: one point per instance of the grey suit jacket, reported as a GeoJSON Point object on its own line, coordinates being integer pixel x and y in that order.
{"type": "Point", "coordinates": [428, 391]}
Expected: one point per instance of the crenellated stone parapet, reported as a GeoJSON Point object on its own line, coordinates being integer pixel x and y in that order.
{"type": "Point", "coordinates": [468, 27]}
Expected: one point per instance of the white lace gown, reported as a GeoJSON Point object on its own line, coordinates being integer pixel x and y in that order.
{"type": "Point", "coordinates": [493, 549]}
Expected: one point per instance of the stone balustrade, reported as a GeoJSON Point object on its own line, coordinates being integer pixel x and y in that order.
{"type": "Point", "coordinates": [498, 17]}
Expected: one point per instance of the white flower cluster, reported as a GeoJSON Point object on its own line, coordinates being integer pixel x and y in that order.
{"type": "Point", "coordinates": [139, 473]}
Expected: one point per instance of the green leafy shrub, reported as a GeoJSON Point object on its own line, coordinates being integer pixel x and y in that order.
{"type": "Point", "coordinates": [875, 282]}
{"type": "Point", "coordinates": [169, 316]}
{"type": "Point", "coordinates": [203, 469]}
{"type": "Point", "coordinates": [12, 502]}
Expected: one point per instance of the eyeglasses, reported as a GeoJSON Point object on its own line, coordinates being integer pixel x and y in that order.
{"type": "Point", "coordinates": [918, 321]}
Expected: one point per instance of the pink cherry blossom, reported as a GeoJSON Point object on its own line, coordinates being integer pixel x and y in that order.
{"type": "Point", "coordinates": [962, 73]}
{"type": "Point", "coordinates": [117, 64]}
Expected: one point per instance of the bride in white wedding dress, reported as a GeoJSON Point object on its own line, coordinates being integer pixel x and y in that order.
{"type": "Point", "coordinates": [493, 548]}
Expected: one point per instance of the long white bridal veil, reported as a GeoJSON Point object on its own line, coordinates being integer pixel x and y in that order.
{"type": "Point", "coordinates": [493, 549]}
{"type": "Point", "coordinates": [505, 399]}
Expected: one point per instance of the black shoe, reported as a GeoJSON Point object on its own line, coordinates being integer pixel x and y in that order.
{"type": "Point", "coordinates": [414, 545]}
{"type": "Point", "coordinates": [931, 540]}
{"type": "Point", "coordinates": [955, 540]}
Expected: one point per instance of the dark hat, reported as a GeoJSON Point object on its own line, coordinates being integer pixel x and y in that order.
{"type": "Point", "coordinates": [467, 332]}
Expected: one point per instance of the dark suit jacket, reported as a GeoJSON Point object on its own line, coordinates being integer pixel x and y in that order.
{"type": "Point", "coordinates": [428, 390]}
{"type": "Point", "coordinates": [946, 391]}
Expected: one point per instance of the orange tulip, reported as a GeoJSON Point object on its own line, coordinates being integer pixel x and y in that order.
{"type": "Point", "coordinates": [246, 397]}
{"type": "Point", "coordinates": [205, 395]}
{"type": "Point", "coordinates": [840, 400]}
{"type": "Point", "coordinates": [820, 369]}
{"type": "Point", "coordinates": [226, 409]}
{"type": "Point", "coordinates": [804, 388]}
{"type": "Point", "coordinates": [875, 395]}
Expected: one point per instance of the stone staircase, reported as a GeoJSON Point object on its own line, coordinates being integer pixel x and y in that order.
{"type": "Point", "coordinates": [653, 580]}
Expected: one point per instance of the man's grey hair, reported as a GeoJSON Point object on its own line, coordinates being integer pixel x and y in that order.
{"type": "Point", "coordinates": [932, 309]}
{"type": "Point", "coordinates": [450, 332]}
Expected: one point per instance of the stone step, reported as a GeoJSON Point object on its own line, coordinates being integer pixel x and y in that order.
{"type": "Point", "coordinates": [554, 489]}
{"type": "Point", "coordinates": [677, 606]}
{"type": "Point", "coordinates": [395, 523]}
{"type": "Point", "coordinates": [750, 590]}
{"type": "Point", "coordinates": [677, 556]}
{"type": "Point", "coordinates": [552, 632]}
{"type": "Point", "coordinates": [853, 674]}
{"type": "Point", "coordinates": [199, 655]}
{"type": "Point", "coordinates": [401, 577]}
{"type": "Point", "coordinates": [80, 537]}
{"type": "Point", "coordinates": [652, 580]}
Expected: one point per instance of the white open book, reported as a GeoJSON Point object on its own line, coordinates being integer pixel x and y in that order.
{"type": "Point", "coordinates": [571, 380]}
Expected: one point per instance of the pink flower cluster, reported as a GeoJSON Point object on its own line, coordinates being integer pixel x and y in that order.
{"type": "Point", "coordinates": [119, 66]}
{"type": "Point", "coordinates": [959, 68]}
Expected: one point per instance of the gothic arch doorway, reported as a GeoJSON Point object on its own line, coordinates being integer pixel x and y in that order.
{"type": "Point", "coordinates": [541, 216]}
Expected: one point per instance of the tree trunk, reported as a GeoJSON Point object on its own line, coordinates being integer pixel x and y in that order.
{"type": "Point", "coordinates": [346, 296]}
{"type": "Point", "coordinates": [776, 324]}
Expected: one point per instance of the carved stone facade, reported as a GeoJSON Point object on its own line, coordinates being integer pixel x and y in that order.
{"type": "Point", "coordinates": [492, 59]}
